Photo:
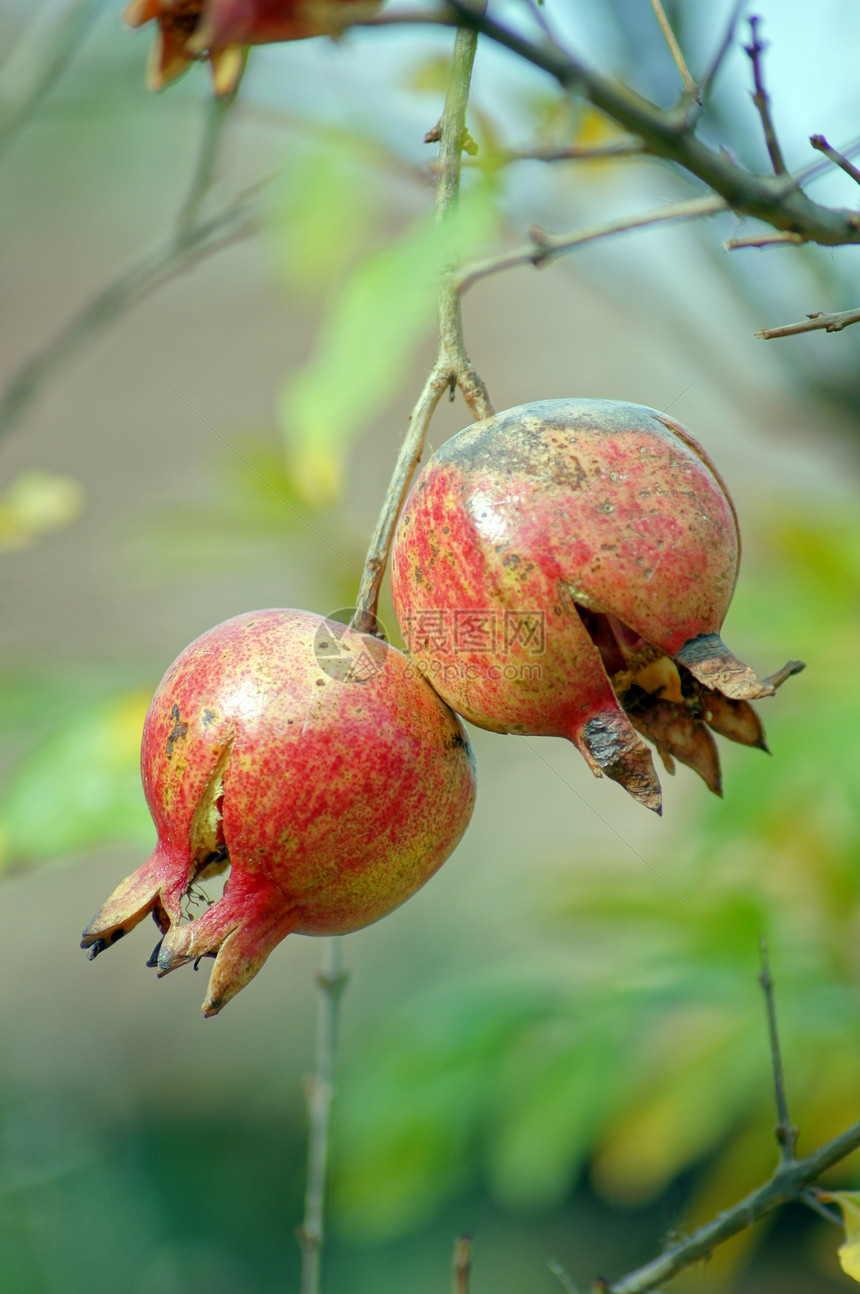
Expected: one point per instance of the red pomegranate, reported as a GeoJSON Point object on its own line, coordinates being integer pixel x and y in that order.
{"type": "Point", "coordinates": [312, 759]}
{"type": "Point", "coordinates": [564, 568]}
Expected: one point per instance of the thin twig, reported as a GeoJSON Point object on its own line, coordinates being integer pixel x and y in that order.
{"type": "Point", "coordinates": [788, 1182]}
{"type": "Point", "coordinates": [671, 40]}
{"type": "Point", "coordinates": [815, 170]}
{"type": "Point", "coordinates": [765, 240]}
{"type": "Point", "coordinates": [319, 1091]}
{"type": "Point", "coordinates": [43, 56]}
{"type": "Point", "coordinates": [776, 200]}
{"type": "Point", "coordinates": [561, 153]}
{"type": "Point", "coordinates": [130, 287]}
{"type": "Point", "coordinates": [557, 1270]}
{"type": "Point", "coordinates": [462, 1264]}
{"type": "Point", "coordinates": [543, 246]}
{"type": "Point", "coordinates": [786, 1133]}
{"type": "Point", "coordinates": [761, 99]}
{"type": "Point", "coordinates": [812, 323]}
{"type": "Point", "coordinates": [819, 142]}
{"type": "Point", "coordinates": [723, 48]}
{"type": "Point", "coordinates": [452, 366]}
{"type": "Point", "coordinates": [207, 160]}
{"type": "Point", "coordinates": [812, 1201]}
{"type": "Point", "coordinates": [191, 240]}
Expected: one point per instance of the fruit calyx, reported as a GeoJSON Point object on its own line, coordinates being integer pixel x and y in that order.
{"type": "Point", "coordinates": [313, 761]}
{"type": "Point", "coordinates": [607, 525]}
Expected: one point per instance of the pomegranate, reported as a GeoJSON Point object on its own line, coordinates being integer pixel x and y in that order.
{"type": "Point", "coordinates": [564, 568]}
{"type": "Point", "coordinates": [312, 759]}
{"type": "Point", "coordinates": [221, 30]}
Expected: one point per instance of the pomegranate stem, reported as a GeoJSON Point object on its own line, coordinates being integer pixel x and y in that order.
{"type": "Point", "coordinates": [453, 367]}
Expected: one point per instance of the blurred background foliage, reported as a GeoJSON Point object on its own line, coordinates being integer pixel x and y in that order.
{"type": "Point", "coordinates": [560, 1044]}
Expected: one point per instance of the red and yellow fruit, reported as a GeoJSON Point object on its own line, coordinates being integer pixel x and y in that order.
{"type": "Point", "coordinates": [222, 30]}
{"type": "Point", "coordinates": [317, 763]}
{"type": "Point", "coordinates": [564, 568]}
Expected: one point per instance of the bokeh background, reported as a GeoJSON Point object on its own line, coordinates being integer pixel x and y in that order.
{"type": "Point", "coordinates": [559, 1045]}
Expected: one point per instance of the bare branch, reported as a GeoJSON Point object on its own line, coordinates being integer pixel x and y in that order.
{"type": "Point", "coordinates": [777, 200]}
{"type": "Point", "coordinates": [762, 100]}
{"type": "Point", "coordinates": [132, 286]}
{"type": "Point", "coordinates": [811, 1198]}
{"type": "Point", "coordinates": [462, 1264]}
{"type": "Point", "coordinates": [690, 86]}
{"type": "Point", "coordinates": [563, 153]}
{"type": "Point", "coordinates": [452, 367]}
{"type": "Point", "coordinates": [786, 1133]}
{"type": "Point", "coordinates": [788, 1182]}
{"type": "Point", "coordinates": [792, 1179]}
{"type": "Point", "coordinates": [816, 169]}
{"type": "Point", "coordinates": [812, 323]}
{"type": "Point", "coordinates": [557, 1270]}
{"type": "Point", "coordinates": [319, 1092]}
{"type": "Point", "coordinates": [544, 247]}
{"type": "Point", "coordinates": [764, 240]}
{"type": "Point", "coordinates": [192, 239]}
{"type": "Point", "coordinates": [819, 142]}
{"type": "Point", "coordinates": [35, 65]}
{"type": "Point", "coordinates": [723, 48]}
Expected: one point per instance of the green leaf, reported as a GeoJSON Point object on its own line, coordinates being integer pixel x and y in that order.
{"type": "Point", "coordinates": [367, 341]}
{"type": "Point", "coordinates": [323, 212]}
{"type": "Point", "coordinates": [79, 788]}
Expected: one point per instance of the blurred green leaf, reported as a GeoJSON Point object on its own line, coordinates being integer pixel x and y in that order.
{"type": "Point", "coordinates": [651, 1056]}
{"type": "Point", "coordinates": [323, 211]}
{"type": "Point", "coordinates": [367, 341]}
{"type": "Point", "coordinates": [79, 788]}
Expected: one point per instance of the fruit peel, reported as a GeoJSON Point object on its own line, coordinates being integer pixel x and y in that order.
{"type": "Point", "coordinates": [333, 792]}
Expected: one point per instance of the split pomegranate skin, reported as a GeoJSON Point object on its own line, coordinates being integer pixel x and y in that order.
{"type": "Point", "coordinates": [564, 568]}
{"type": "Point", "coordinates": [313, 759]}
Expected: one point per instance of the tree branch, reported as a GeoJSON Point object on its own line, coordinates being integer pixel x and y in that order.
{"type": "Point", "coordinates": [319, 1092]}
{"type": "Point", "coordinates": [690, 86]}
{"type": "Point", "coordinates": [761, 99]}
{"type": "Point", "coordinates": [544, 247]}
{"type": "Point", "coordinates": [562, 153]}
{"type": "Point", "coordinates": [452, 367]}
{"type": "Point", "coordinates": [819, 142]}
{"type": "Point", "coordinates": [777, 200]}
{"type": "Point", "coordinates": [812, 323]}
{"type": "Point", "coordinates": [786, 1133]}
{"type": "Point", "coordinates": [722, 49]}
{"type": "Point", "coordinates": [462, 1264]}
{"type": "Point", "coordinates": [131, 287]}
{"type": "Point", "coordinates": [191, 241]}
{"type": "Point", "coordinates": [765, 240]}
{"type": "Point", "coordinates": [791, 1180]}
{"type": "Point", "coordinates": [43, 53]}
{"type": "Point", "coordinates": [787, 1183]}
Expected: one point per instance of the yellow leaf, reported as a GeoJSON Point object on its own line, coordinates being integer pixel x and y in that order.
{"type": "Point", "coordinates": [849, 1251]}
{"type": "Point", "coordinates": [36, 503]}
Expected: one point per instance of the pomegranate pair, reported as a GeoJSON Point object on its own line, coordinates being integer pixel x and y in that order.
{"type": "Point", "coordinates": [562, 568]}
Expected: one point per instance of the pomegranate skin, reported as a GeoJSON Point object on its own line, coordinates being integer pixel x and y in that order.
{"type": "Point", "coordinates": [553, 556]}
{"type": "Point", "coordinates": [314, 759]}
